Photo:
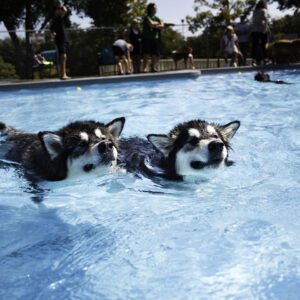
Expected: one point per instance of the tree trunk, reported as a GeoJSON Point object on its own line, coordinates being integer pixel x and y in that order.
{"type": "Point", "coordinates": [29, 29]}
{"type": "Point", "coordinates": [17, 47]}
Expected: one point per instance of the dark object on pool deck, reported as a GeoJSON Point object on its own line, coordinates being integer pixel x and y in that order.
{"type": "Point", "coordinates": [185, 54]}
{"type": "Point", "coordinates": [185, 150]}
{"type": "Point", "coordinates": [265, 77]}
{"type": "Point", "coordinates": [79, 147]}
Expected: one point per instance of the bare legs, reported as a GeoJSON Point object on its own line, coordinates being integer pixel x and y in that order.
{"type": "Point", "coordinates": [63, 66]}
{"type": "Point", "coordinates": [233, 57]}
{"type": "Point", "coordinates": [127, 65]}
{"type": "Point", "coordinates": [154, 63]}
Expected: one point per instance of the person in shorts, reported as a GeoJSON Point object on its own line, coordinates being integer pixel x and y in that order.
{"type": "Point", "coordinates": [122, 51]}
{"type": "Point", "coordinates": [58, 28]}
{"type": "Point", "coordinates": [230, 46]}
{"type": "Point", "coordinates": [152, 27]}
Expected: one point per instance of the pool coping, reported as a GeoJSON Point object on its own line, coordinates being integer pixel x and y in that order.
{"type": "Point", "coordinates": [192, 74]}
{"type": "Point", "coordinates": [52, 83]}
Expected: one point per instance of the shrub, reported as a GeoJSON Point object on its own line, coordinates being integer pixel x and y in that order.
{"type": "Point", "coordinates": [7, 70]}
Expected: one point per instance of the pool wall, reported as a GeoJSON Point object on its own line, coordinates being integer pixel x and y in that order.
{"type": "Point", "coordinates": [40, 84]}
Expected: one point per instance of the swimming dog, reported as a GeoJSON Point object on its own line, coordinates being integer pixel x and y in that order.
{"type": "Point", "coordinates": [186, 150]}
{"type": "Point", "coordinates": [81, 146]}
{"type": "Point", "coordinates": [265, 77]}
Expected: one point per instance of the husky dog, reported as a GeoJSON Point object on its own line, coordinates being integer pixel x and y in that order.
{"type": "Point", "coordinates": [185, 150]}
{"type": "Point", "coordinates": [81, 146]}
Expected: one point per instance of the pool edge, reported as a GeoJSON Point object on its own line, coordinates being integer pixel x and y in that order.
{"type": "Point", "coordinates": [52, 83]}
{"type": "Point", "coordinates": [193, 74]}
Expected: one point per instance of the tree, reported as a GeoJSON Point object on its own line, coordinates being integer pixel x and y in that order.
{"type": "Point", "coordinates": [11, 13]}
{"type": "Point", "coordinates": [287, 4]}
{"type": "Point", "coordinates": [288, 25]}
{"type": "Point", "coordinates": [171, 40]}
{"type": "Point", "coordinates": [7, 70]}
{"type": "Point", "coordinates": [110, 13]}
{"type": "Point", "coordinates": [218, 13]}
{"type": "Point", "coordinates": [17, 13]}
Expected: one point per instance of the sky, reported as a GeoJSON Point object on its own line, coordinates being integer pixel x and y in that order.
{"type": "Point", "coordinates": [175, 10]}
{"type": "Point", "coordinates": [172, 11]}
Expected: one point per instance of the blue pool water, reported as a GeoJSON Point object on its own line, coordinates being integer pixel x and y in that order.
{"type": "Point", "coordinates": [233, 234]}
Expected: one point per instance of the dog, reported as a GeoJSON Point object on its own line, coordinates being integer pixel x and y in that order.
{"type": "Point", "coordinates": [79, 147]}
{"type": "Point", "coordinates": [186, 150]}
{"type": "Point", "coordinates": [265, 77]}
{"type": "Point", "coordinates": [284, 51]}
{"type": "Point", "coordinates": [186, 53]}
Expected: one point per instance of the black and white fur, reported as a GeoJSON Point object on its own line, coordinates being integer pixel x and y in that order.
{"type": "Point", "coordinates": [80, 146]}
{"type": "Point", "coordinates": [185, 150]}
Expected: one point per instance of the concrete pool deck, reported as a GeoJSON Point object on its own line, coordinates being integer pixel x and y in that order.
{"type": "Point", "coordinates": [181, 74]}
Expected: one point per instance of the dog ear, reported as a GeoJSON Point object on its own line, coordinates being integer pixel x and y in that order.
{"type": "Point", "coordinates": [230, 129]}
{"type": "Point", "coordinates": [52, 143]}
{"type": "Point", "coordinates": [115, 127]}
{"type": "Point", "coordinates": [161, 142]}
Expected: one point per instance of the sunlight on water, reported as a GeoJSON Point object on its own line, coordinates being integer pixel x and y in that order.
{"type": "Point", "coordinates": [233, 233]}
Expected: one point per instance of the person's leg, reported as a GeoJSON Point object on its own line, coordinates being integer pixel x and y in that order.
{"type": "Point", "coordinates": [191, 60]}
{"type": "Point", "coordinates": [226, 58]}
{"type": "Point", "coordinates": [62, 54]}
{"type": "Point", "coordinates": [255, 45]}
{"type": "Point", "coordinates": [145, 62]}
{"type": "Point", "coordinates": [244, 50]}
{"type": "Point", "coordinates": [126, 65]}
{"type": "Point", "coordinates": [264, 41]}
{"type": "Point", "coordinates": [63, 66]}
{"type": "Point", "coordinates": [234, 56]}
{"type": "Point", "coordinates": [155, 51]}
{"type": "Point", "coordinates": [119, 65]}
{"type": "Point", "coordinates": [154, 63]}
{"type": "Point", "coordinates": [136, 63]}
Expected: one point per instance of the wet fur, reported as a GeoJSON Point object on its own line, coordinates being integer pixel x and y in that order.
{"type": "Point", "coordinates": [46, 154]}
{"type": "Point", "coordinates": [157, 156]}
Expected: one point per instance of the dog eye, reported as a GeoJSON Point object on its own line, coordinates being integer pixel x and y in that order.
{"type": "Point", "coordinates": [82, 144]}
{"type": "Point", "coordinates": [194, 141]}
{"type": "Point", "coordinates": [215, 136]}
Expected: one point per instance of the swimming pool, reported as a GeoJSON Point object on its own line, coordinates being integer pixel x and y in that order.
{"type": "Point", "coordinates": [232, 234]}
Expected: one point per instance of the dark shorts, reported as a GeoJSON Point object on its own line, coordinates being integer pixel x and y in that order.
{"type": "Point", "coordinates": [151, 47]}
{"type": "Point", "coordinates": [61, 45]}
{"type": "Point", "coordinates": [118, 51]}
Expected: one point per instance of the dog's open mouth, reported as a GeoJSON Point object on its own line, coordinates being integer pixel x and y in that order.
{"type": "Point", "coordinates": [198, 165]}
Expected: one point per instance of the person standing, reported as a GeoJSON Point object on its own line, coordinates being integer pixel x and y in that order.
{"type": "Point", "coordinates": [58, 28]}
{"type": "Point", "coordinates": [242, 30]}
{"type": "Point", "coordinates": [260, 32]}
{"type": "Point", "coordinates": [152, 27]}
{"type": "Point", "coordinates": [135, 39]}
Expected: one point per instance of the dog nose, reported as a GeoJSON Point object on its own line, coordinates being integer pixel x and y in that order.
{"type": "Point", "coordinates": [104, 146]}
{"type": "Point", "coordinates": [215, 147]}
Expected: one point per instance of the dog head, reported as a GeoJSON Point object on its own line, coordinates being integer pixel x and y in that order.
{"type": "Point", "coordinates": [261, 76]}
{"type": "Point", "coordinates": [194, 145]}
{"type": "Point", "coordinates": [84, 145]}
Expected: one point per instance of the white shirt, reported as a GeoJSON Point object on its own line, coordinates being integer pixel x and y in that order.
{"type": "Point", "coordinates": [229, 43]}
{"type": "Point", "coordinates": [122, 44]}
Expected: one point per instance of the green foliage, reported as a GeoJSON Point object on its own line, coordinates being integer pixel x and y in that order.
{"type": "Point", "coordinates": [286, 4]}
{"type": "Point", "coordinates": [218, 13]}
{"type": "Point", "coordinates": [84, 49]}
{"type": "Point", "coordinates": [286, 25]}
{"type": "Point", "coordinates": [171, 40]}
{"type": "Point", "coordinates": [7, 70]}
{"type": "Point", "coordinates": [111, 13]}
{"type": "Point", "coordinates": [7, 51]}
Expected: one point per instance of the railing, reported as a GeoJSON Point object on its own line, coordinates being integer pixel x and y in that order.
{"type": "Point", "coordinates": [169, 65]}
